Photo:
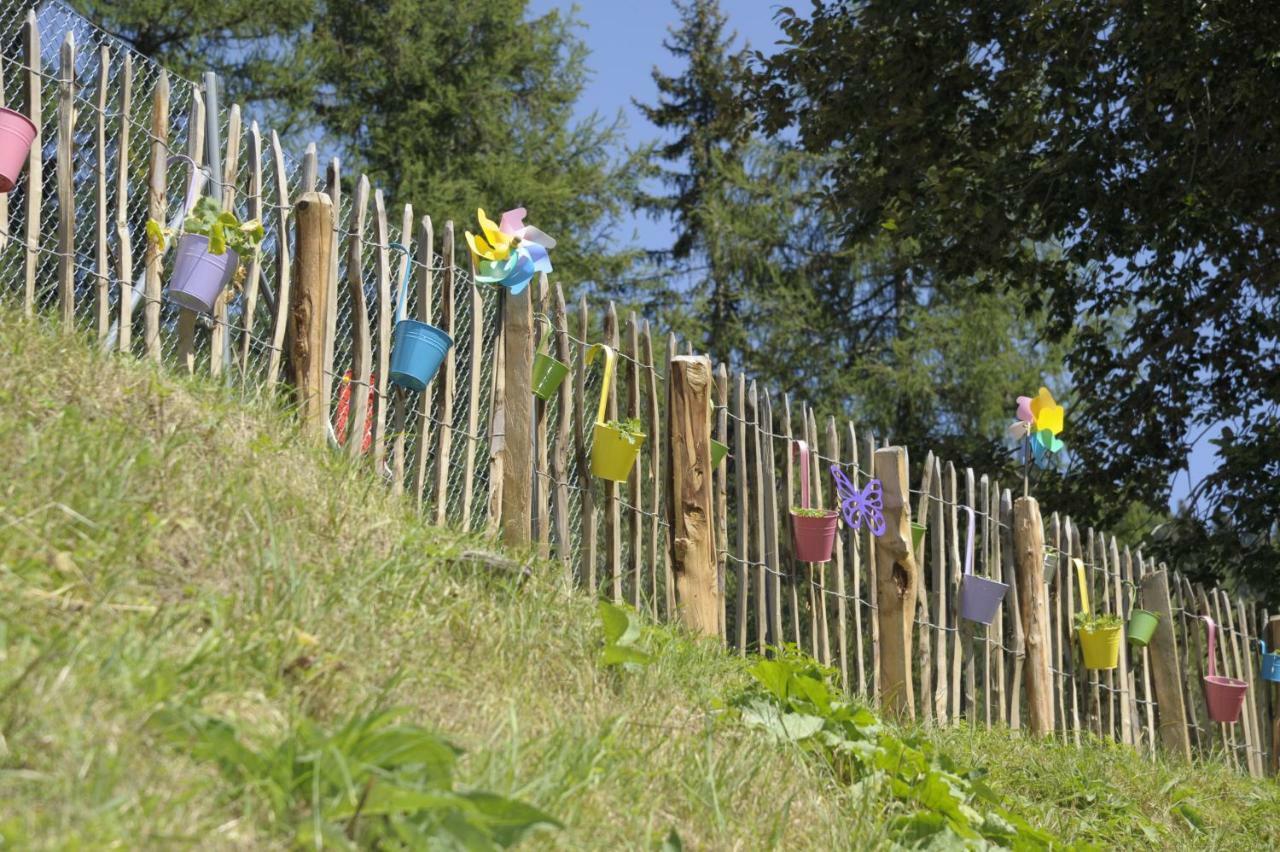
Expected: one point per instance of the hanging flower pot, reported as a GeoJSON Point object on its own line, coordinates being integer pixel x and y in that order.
{"type": "Point", "coordinates": [1099, 635]}
{"type": "Point", "coordinates": [1270, 664]}
{"type": "Point", "coordinates": [199, 275]}
{"type": "Point", "coordinates": [616, 444]}
{"type": "Point", "coordinates": [344, 412]}
{"type": "Point", "coordinates": [417, 348]}
{"type": "Point", "coordinates": [917, 535]}
{"type": "Point", "coordinates": [1142, 626]}
{"type": "Point", "coordinates": [812, 530]}
{"type": "Point", "coordinates": [1052, 556]}
{"type": "Point", "coordinates": [980, 597]}
{"type": "Point", "coordinates": [16, 135]}
{"type": "Point", "coordinates": [719, 450]}
{"type": "Point", "coordinates": [1224, 695]}
{"type": "Point", "coordinates": [548, 371]}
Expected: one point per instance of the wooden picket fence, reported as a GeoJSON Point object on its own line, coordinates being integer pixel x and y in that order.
{"type": "Point", "coordinates": [680, 540]}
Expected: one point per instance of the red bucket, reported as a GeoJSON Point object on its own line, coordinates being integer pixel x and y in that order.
{"type": "Point", "coordinates": [1223, 695]}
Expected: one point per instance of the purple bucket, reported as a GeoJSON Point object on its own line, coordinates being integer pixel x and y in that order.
{"type": "Point", "coordinates": [980, 598]}
{"type": "Point", "coordinates": [198, 276]}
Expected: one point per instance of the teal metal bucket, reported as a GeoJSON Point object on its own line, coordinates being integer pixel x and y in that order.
{"type": "Point", "coordinates": [417, 351]}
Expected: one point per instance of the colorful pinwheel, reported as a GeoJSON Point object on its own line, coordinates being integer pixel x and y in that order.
{"type": "Point", "coordinates": [1040, 421]}
{"type": "Point", "coordinates": [509, 253]}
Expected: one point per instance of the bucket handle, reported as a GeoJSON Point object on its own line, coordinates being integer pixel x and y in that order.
{"type": "Point", "coordinates": [609, 358]}
{"type": "Point", "coordinates": [402, 298]}
{"type": "Point", "coordinates": [1084, 586]}
{"type": "Point", "coordinates": [800, 449]}
{"type": "Point", "coordinates": [1213, 629]}
{"type": "Point", "coordinates": [968, 550]}
{"type": "Point", "coordinates": [544, 343]}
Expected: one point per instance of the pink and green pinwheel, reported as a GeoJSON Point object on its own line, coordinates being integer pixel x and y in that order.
{"type": "Point", "coordinates": [509, 253]}
{"type": "Point", "coordinates": [1040, 421]}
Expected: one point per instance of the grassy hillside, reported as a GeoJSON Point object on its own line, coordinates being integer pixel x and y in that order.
{"type": "Point", "coordinates": [199, 618]}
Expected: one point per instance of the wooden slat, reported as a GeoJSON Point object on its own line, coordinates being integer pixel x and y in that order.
{"type": "Point", "coordinates": [722, 491]}
{"type": "Point", "coordinates": [953, 581]}
{"type": "Point", "coordinates": [382, 238]}
{"type": "Point", "coordinates": [400, 397]}
{"type": "Point", "coordinates": [969, 630]}
{"type": "Point", "coordinates": [939, 588]}
{"type": "Point", "coordinates": [445, 387]}
{"type": "Point", "coordinates": [425, 312]}
{"type": "Point", "coordinates": [1148, 697]}
{"type": "Point", "coordinates": [219, 337]}
{"type": "Point", "coordinates": [333, 182]}
{"type": "Point", "coordinates": [35, 157]}
{"type": "Point", "coordinates": [157, 187]}
{"type": "Point", "coordinates": [542, 450]}
{"type": "Point", "coordinates": [983, 559]}
{"type": "Point", "coordinates": [694, 561]}
{"type": "Point", "coordinates": [634, 532]}
{"type": "Point", "coordinates": [1059, 633]}
{"type": "Point", "coordinates": [102, 253]}
{"type": "Point", "coordinates": [310, 168]}
{"type": "Point", "coordinates": [1000, 546]}
{"type": "Point", "coordinates": [497, 425]}
{"type": "Point", "coordinates": [612, 511]}
{"type": "Point", "coordinates": [873, 591]}
{"type": "Point", "coordinates": [254, 275]}
{"type": "Point", "coordinates": [896, 576]}
{"type": "Point", "coordinates": [820, 593]}
{"type": "Point", "coordinates": [124, 240]}
{"type": "Point", "coordinates": [4, 196]}
{"type": "Point", "coordinates": [473, 402]}
{"type": "Point", "coordinates": [564, 420]}
{"type": "Point", "coordinates": [361, 349]}
{"type": "Point", "coordinates": [66, 189]}
{"type": "Point", "coordinates": [195, 150]}
{"type": "Point", "coordinates": [924, 638]}
{"type": "Point", "coordinates": [792, 496]}
{"type": "Point", "coordinates": [282, 282]}
{"type": "Point", "coordinates": [657, 553]}
{"type": "Point", "coordinates": [854, 547]}
{"type": "Point", "coordinates": [773, 555]}
{"type": "Point", "coordinates": [741, 502]}
{"type": "Point", "coordinates": [1257, 739]}
{"type": "Point", "coordinates": [756, 463]}
{"type": "Point", "coordinates": [842, 627]}
{"type": "Point", "coordinates": [670, 592]}
{"type": "Point", "coordinates": [1028, 543]}
{"type": "Point", "coordinates": [582, 460]}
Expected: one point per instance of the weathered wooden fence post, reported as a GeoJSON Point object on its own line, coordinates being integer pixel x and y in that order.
{"type": "Point", "coordinates": [896, 579]}
{"type": "Point", "coordinates": [1028, 546]}
{"type": "Point", "coordinates": [692, 539]}
{"type": "Point", "coordinates": [517, 424]}
{"type": "Point", "coordinates": [309, 310]}
{"type": "Point", "coordinates": [1163, 654]}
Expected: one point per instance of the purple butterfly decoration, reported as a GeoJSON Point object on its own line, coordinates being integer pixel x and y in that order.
{"type": "Point", "coordinates": [858, 506]}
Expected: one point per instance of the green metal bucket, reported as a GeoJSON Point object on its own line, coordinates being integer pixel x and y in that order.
{"type": "Point", "coordinates": [548, 373]}
{"type": "Point", "coordinates": [718, 452]}
{"type": "Point", "coordinates": [917, 536]}
{"type": "Point", "coordinates": [1142, 626]}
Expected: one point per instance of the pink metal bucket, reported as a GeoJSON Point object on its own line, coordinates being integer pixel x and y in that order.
{"type": "Point", "coordinates": [815, 537]}
{"type": "Point", "coordinates": [198, 276]}
{"type": "Point", "coordinates": [1224, 695]}
{"type": "Point", "coordinates": [16, 135]}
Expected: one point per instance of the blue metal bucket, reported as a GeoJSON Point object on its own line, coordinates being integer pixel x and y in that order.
{"type": "Point", "coordinates": [1270, 665]}
{"type": "Point", "coordinates": [417, 351]}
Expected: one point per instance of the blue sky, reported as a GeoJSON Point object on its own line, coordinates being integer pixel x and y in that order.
{"type": "Point", "coordinates": [625, 39]}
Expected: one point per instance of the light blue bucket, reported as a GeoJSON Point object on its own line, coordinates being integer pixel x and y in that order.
{"type": "Point", "coordinates": [417, 348]}
{"type": "Point", "coordinates": [1270, 664]}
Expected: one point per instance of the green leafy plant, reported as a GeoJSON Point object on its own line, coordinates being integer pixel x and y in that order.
{"type": "Point", "coordinates": [622, 629]}
{"type": "Point", "coordinates": [374, 782]}
{"type": "Point", "coordinates": [222, 227]}
{"type": "Point", "coordinates": [796, 700]}
{"type": "Point", "coordinates": [629, 428]}
{"type": "Point", "coordinates": [1090, 623]}
{"type": "Point", "coordinates": [813, 513]}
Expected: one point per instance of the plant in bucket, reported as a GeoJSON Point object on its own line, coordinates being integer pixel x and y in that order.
{"type": "Point", "coordinates": [1270, 664]}
{"type": "Point", "coordinates": [509, 253]}
{"type": "Point", "coordinates": [813, 530]}
{"type": "Point", "coordinates": [16, 135]}
{"type": "Point", "coordinates": [1142, 622]}
{"type": "Point", "coordinates": [548, 371]}
{"type": "Point", "coordinates": [616, 443]}
{"type": "Point", "coordinates": [1223, 695]}
{"type": "Point", "coordinates": [980, 597]}
{"type": "Point", "coordinates": [1099, 635]}
{"type": "Point", "coordinates": [211, 244]}
{"type": "Point", "coordinates": [417, 348]}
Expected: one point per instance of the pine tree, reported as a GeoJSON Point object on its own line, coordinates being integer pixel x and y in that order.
{"type": "Point", "coordinates": [703, 107]}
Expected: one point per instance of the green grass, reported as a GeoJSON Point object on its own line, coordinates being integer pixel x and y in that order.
{"type": "Point", "coordinates": [172, 557]}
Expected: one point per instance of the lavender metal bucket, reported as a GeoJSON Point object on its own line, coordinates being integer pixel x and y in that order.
{"type": "Point", "coordinates": [979, 597]}
{"type": "Point", "coordinates": [198, 276]}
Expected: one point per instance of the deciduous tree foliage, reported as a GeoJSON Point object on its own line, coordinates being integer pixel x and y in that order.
{"type": "Point", "coordinates": [1115, 162]}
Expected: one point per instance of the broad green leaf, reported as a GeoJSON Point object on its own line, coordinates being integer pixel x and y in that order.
{"type": "Point", "coordinates": [773, 675]}
{"type": "Point", "coordinates": [620, 626]}
{"type": "Point", "coordinates": [615, 655]}
{"type": "Point", "coordinates": [507, 820]}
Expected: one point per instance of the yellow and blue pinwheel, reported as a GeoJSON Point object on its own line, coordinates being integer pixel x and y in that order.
{"type": "Point", "coordinates": [509, 253]}
{"type": "Point", "coordinates": [1040, 421]}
